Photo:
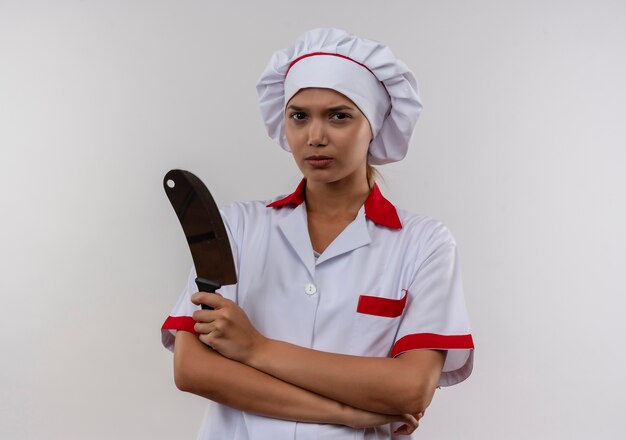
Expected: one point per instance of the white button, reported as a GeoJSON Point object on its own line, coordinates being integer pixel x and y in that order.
{"type": "Point", "coordinates": [310, 289]}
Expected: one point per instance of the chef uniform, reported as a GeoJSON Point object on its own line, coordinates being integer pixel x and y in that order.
{"type": "Point", "coordinates": [389, 283]}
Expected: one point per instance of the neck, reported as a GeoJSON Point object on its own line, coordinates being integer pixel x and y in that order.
{"type": "Point", "coordinates": [338, 199]}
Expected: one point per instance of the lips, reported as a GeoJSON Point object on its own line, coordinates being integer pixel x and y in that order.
{"type": "Point", "coordinates": [318, 157]}
{"type": "Point", "coordinates": [319, 161]}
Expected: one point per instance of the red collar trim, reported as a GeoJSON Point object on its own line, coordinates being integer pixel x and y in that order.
{"type": "Point", "coordinates": [377, 208]}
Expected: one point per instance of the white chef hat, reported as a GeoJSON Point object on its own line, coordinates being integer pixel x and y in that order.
{"type": "Point", "coordinates": [363, 70]}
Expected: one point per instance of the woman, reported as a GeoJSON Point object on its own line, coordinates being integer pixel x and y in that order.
{"type": "Point", "coordinates": [348, 311]}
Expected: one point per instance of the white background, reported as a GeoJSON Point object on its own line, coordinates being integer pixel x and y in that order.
{"type": "Point", "coordinates": [521, 151]}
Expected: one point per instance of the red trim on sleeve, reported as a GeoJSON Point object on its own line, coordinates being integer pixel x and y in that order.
{"type": "Point", "coordinates": [375, 305]}
{"type": "Point", "coordinates": [377, 208]}
{"type": "Point", "coordinates": [184, 323]}
{"type": "Point", "coordinates": [433, 341]}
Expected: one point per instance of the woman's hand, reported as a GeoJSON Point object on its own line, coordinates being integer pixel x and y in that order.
{"type": "Point", "coordinates": [227, 328]}
{"type": "Point", "coordinates": [361, 419]}
{"type": "Point", "coordinates": [409, 428]}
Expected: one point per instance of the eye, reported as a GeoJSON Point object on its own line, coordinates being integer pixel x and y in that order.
{"type": "Point", "coordinates": [297, 116]}
{"type": "Point", "coordinates": [340, 116]}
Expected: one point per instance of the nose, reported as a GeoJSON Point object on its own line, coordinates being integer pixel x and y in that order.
{"type": "Point", "coordinates": [317, 133]}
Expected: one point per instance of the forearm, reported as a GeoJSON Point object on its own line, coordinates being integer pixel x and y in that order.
{"type": "Point", "coordinates": [204, 372]}
{"type": "Point", "coordinates": [383, 385]}
{"type": "Point", "coordinates": [402, 385]}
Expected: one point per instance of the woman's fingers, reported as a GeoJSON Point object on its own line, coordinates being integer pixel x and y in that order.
{"type": "Point", "coordinates": [203, 327]}
{"type": "Point", "coordinates": [226, 328]}
{"type": "Point", "coordinates": [214, 300]}
{"type": "Point", "coordinates": [205, 318]}
{"type": "Point", "coordinates": [409, 427]}
{"type": "Point", "coordinates": [205, 340]}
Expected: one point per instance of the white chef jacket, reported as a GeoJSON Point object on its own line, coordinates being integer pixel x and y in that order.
{"type": "Point", "coordinates": [389, 283]}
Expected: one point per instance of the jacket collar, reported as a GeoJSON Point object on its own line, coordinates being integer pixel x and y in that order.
{"type": "Point", "coordinates": [377, 208]}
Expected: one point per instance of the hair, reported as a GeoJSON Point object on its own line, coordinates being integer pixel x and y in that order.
{"type": "Point", "coordinates": [372, 174]}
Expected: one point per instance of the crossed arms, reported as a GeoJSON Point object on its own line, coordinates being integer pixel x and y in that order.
{"type": "Point", "coordinates": [233, 364]}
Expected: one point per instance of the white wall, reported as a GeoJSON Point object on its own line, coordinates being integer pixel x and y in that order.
{"type": "Point", "coordinates": [521, 151]}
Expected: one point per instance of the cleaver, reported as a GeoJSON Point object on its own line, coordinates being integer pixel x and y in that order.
{"type": "Point", "coordinates": [204, 230]}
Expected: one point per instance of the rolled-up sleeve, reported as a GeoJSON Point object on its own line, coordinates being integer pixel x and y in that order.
{"type": "Point", "coordinates": [435, 316]}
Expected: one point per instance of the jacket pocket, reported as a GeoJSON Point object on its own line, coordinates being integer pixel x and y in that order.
{"type": "Point", "coordinates": [378, 306]}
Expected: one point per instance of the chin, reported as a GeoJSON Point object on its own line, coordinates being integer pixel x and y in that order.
{"type": "Point", "coordinates": [317, 177]}
{"type": "Point", "coordinates": [323, 177]}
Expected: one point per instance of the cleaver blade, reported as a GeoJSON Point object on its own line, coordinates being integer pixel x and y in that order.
{"type": "Point", "coordinates": [204, 230]}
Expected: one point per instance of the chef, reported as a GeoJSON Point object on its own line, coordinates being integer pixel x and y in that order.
{"type": "Point", "coordinates": [349, 311]}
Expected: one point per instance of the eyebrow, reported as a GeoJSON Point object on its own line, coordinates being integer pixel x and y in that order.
{"type": "Point", "coordinates": [331, 109]}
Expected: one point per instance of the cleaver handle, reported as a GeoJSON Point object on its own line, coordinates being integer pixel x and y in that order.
{"type": "Point", "coordinates": [205, 285]}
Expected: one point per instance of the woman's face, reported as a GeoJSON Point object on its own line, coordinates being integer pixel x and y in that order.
{"type": "Point", "coordinates": [328, 135]}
